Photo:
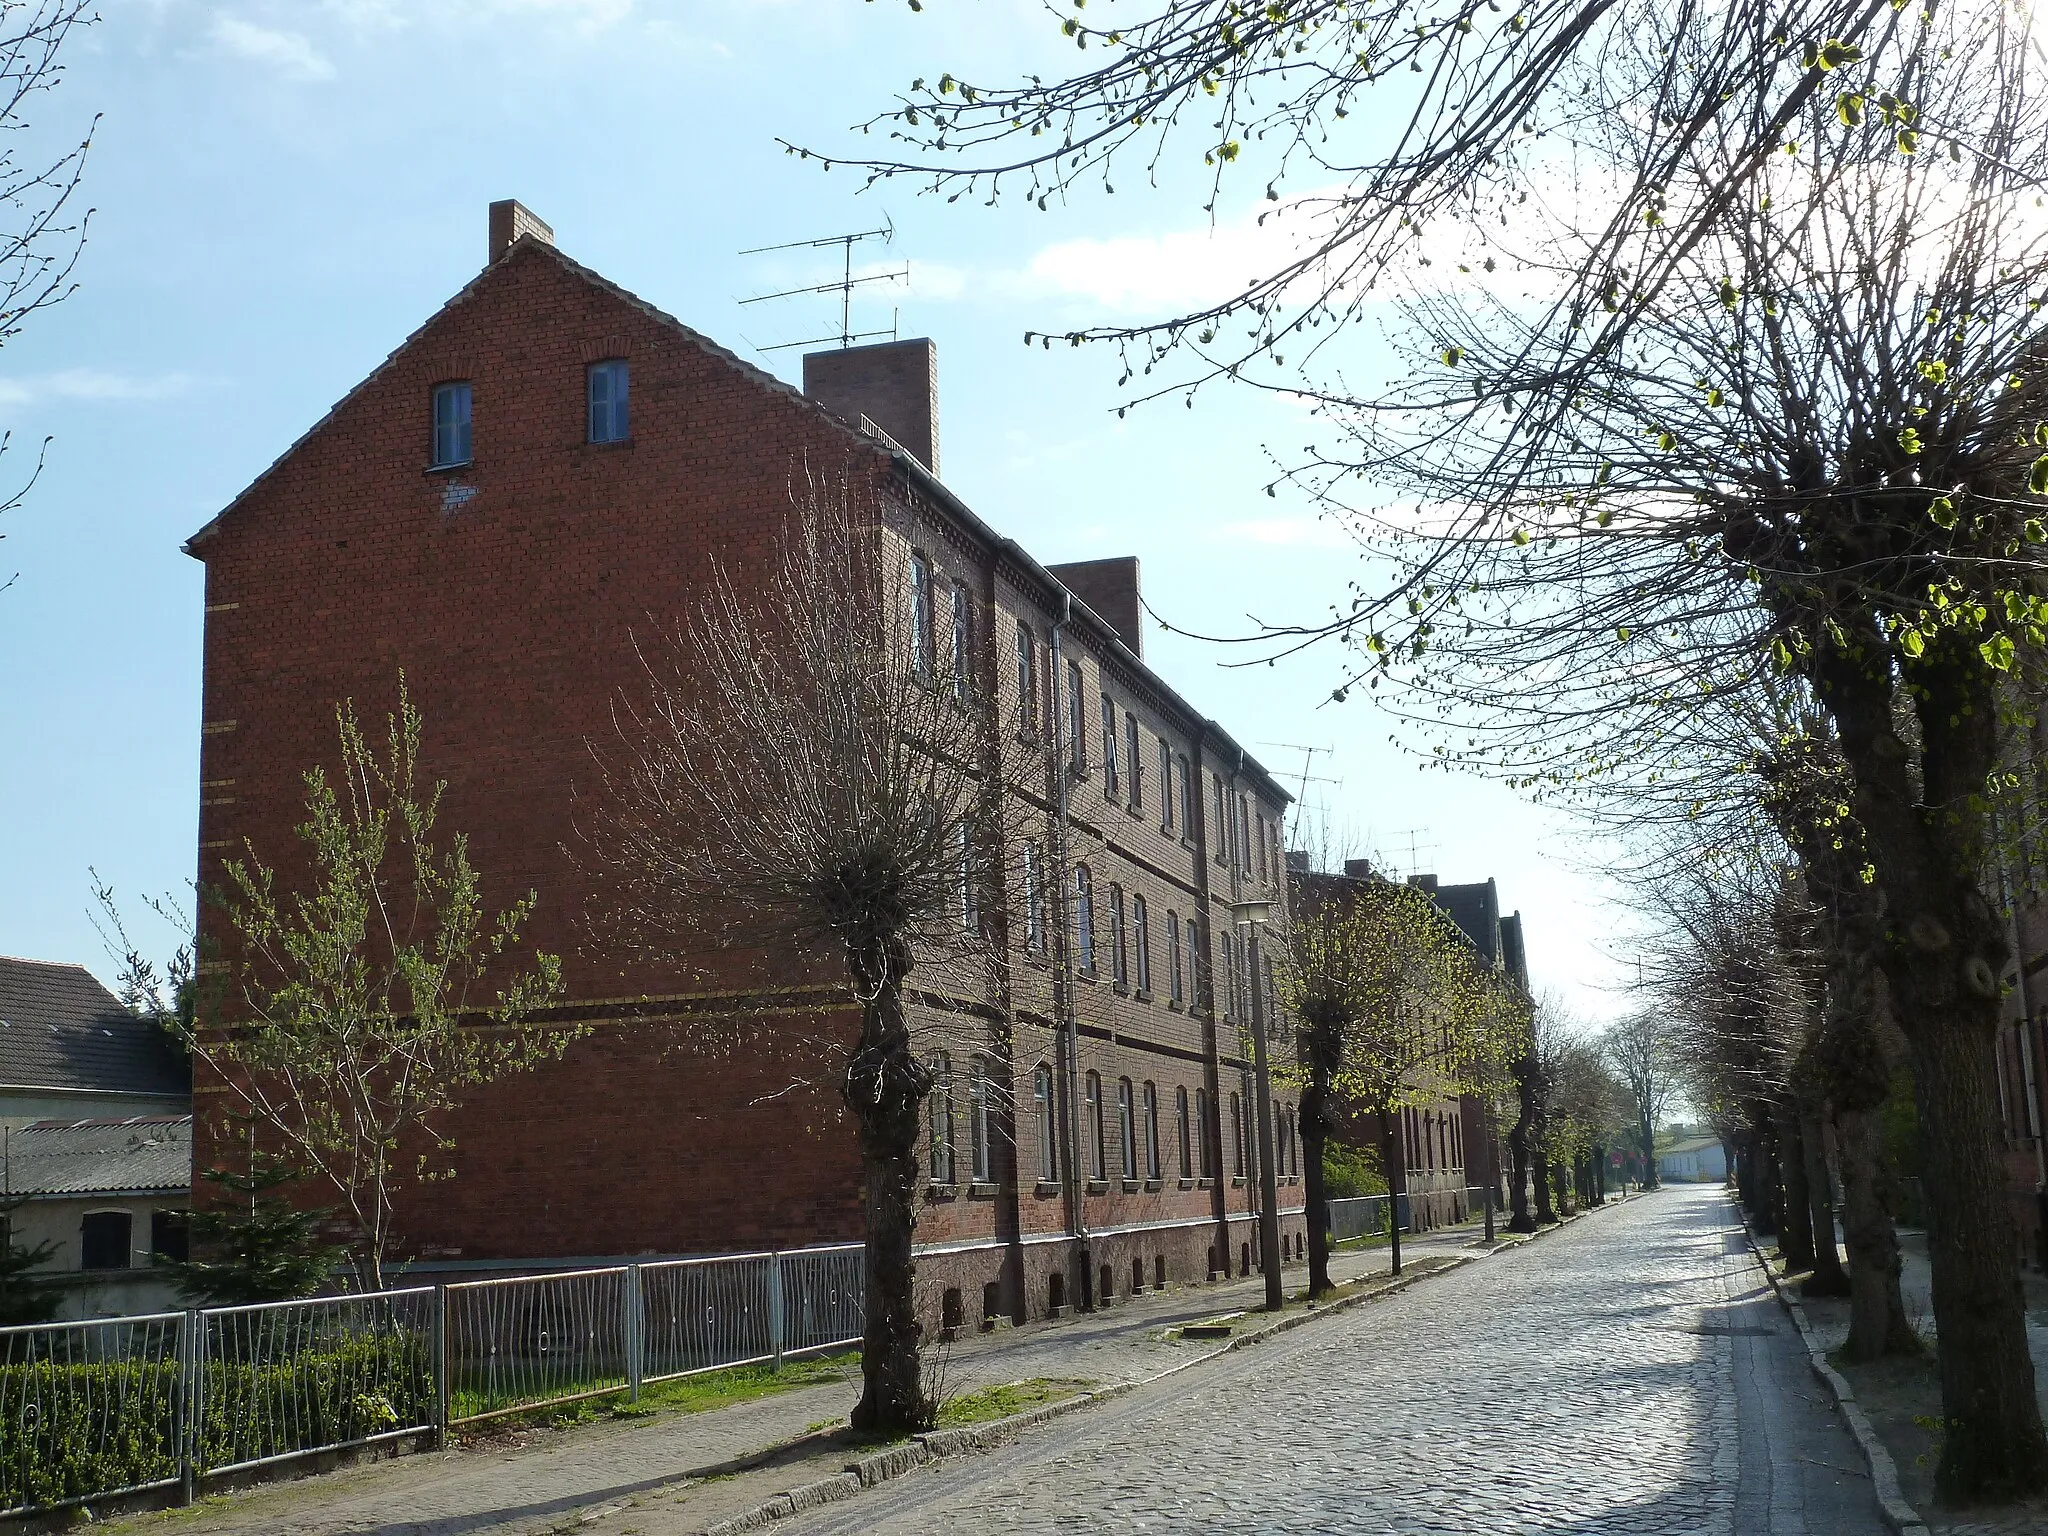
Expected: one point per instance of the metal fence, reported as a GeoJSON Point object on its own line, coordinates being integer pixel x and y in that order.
{"type": "Point", "coordinates": [1365, 1216]}
{"type": "Point", "coordinates": [129, 1404]}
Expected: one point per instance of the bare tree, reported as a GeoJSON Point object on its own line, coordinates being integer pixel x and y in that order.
{"type": "Point", "coordinates": [1644, 1054]}
{"type": "Point", "coordinates": [808, 776]}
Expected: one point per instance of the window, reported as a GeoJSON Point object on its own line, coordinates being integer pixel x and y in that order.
{"type": "Point", "coordinates": [970, 896]}
{"type": "Point", "coordinates": [1202, 1131]}
{"type": "Point", "coordinates": [1108, 747]}
{"type": "Point", "coordinates": [1263, 839]}
{"type": "Point", "coordinates": [1131, 761]}
{"type": "Point", "coordinates": [1189, 811]}
{"type": "Point", "coordinates": [1165, 785]}
{"type": "Point", "coordinates": [168, 1233]}
{"type": "Point", "coordinates": [963, 640]}
{"type": "Point", "coordinates": [1119, 963]}
{"type": "Point", "coordinates": [1151, 1131]}
{"type": "Point", "coordinates": [1237, 1135]}
{"type": "Point", "coordinates": [920, 612]}
{"type": "Point", "coordinates": [1194, 967]}
{"type": "Point", "coordinates": [977, 1121]}
{"type": "Point", "coordinates": [1027, 679]}
{"type": "Point", "coordinates": [1084, 917]}
{"type": "Point", "coordinates": [1034, 899]}
{"type": "Point", "coordinates": [1142, 945]}
{"type": "Point", "coordinates": [1093, 1092]}
{"type": "Point", "coordinates": [941, 1118]}
{"type": "Point", "coordinates": [1177, 993]}
{"type": "Point", "coordinates": [451, 425]}
{"type": "Point", "coordinates": [103, 1238]}
{"type": "Point", "coordinates": [1180, 1126]}
{"type": "Point", "coordinates": [608, 401]}
{"type": "Point", "coordinates": [1222, 820]}
{"type": "Point", "coordinates": [1244, 835]}
{"type": "Point", "coordinates": [1048, 1130]}
{"type": "Point", "coordinates": [1126, 1128]}
{"type": "Point", "coordinates": [1077, 719]}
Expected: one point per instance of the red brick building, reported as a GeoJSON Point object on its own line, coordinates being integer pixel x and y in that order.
{"type": "Point", "coordinates": [551, 466]}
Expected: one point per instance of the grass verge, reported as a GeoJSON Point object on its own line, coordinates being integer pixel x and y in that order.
{"type": "Point", "coordinates": [686, 1394]}
{"type": "Point", "coordinates": [991, 1403]}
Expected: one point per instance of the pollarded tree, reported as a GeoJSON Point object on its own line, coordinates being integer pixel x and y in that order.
{"type": "Point", "coordinates": [365, 995]}
{"type": "Point", "coordinates": [810, 775]}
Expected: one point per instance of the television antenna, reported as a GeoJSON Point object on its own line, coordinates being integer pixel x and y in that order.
{"type": "Point", "coordinates": [1308, 758]}
{"type": "Point", "coordinates": [1416, 847]}
{"type": "Point", "coordinates": [844, 285]}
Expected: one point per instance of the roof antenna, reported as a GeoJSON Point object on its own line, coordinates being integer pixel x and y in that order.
{"type": "Point", "coordinates": [844, 286]}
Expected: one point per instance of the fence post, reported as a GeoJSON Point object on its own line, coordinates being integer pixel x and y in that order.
{"type": "Point", "coordinates": [775, 1321]}
{"type": "Point", "coordinates": [636, 1364]}
{"type": "Point", "coordinates": [188, 1406]}
{"type": "Point", "coordinates": [439, 1350]}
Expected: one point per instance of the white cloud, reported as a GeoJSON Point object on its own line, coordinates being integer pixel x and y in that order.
{"type": "Point", "coordinates": [289, 53]}
{"type": "Point", "coordinates": [93, 384]}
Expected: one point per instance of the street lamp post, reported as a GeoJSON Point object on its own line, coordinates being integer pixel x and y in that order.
{"type": "Point", "coordinates": [1251, 916]}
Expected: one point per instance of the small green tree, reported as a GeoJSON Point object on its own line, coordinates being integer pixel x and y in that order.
{"type": "Point", "coordinates": [253, 1243]}
{"type": "Point", "coordinates": [25, 1297]}
{"type": "Point", "coordinates": [352, 1026]}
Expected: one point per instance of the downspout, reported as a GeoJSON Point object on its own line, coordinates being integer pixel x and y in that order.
{"type": "Point", "coordinates": [1062, 881]}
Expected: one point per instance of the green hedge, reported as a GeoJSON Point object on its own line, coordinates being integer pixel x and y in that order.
{"type": "Point", "coordinates": [71, 1430]}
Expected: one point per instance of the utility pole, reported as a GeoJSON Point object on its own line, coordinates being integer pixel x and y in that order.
{"type": "Point", "coordinates": [1251, 916]}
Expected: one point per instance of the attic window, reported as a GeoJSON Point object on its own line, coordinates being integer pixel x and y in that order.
{"type": "Point", "coordinates": [451, 425]}
{"type": "Point", "coordinates": [608, 401]}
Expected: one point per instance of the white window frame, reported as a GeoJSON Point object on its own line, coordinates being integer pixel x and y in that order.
{"type": "Point", "coordinates": [457, 430]}
{"type": "Point", "coordinates": [1141, 945]}
{"type": "Point", "coordinates": [608, 420]}
{"type": "Point", "coordinates": [1048, 1127]}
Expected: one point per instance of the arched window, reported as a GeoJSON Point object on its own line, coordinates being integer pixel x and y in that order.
{"type": "Point", "coordinates": [1151, 1131]}
{"type": "Point", "coordinates": [1202, 1131]}
{"type": "Point", "coordinates": [1108, 746]}
{"type": "Point", "coordinates": [1119, 958]}
{"type": "Point", "coordinates": [940, 1108]}
{"type": "Point", "coordinates": [981, 1150]}
{"type": "Point", "coordinates": [1141, 944]}
{"type": "Point", "coordinates": [1173, 972]}
{"type": "Point", "coordinates": [1099, 1169]}
{"type": "Point", "coordinates": [1182, 1131]}
{"type": "Point", "coordinates": [1084, 917]}
{"type": "Point", "coordinates": [920, 612]}
{"type": "Point", "coordinates": [1126, 1128]}
{"type": "Point", "coordinates": [1048, 1127]}
{"type": "Point", "coordinates": [1237, 1135]}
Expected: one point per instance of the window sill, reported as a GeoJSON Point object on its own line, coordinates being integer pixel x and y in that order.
{"type": "Point", "coordinates": [1205, 1183]}
{"type": "Point", "coordinates": [1173, 1005]}
{"type": "Point", "coordinates": [1137, 812]}
{"type": "Point", "coordinates": [1120, 989]}
{"type": "Point", "coordinates": [1153, 1186]}
{"type": "Point", "coordinates": [614, 442]}
{"type": "Point", "coordinates": [981, 1190]}
{"type": "Point", "coordinates": [1087, 973]}
{"type": "Point", "coordinates": [1237, 1181]}
{"type": "Point", "coordinates": [1142, 995]}
{"type": "Point", "coordinates": [451, 469]}
{"type": "Point", "coordinates": [1189, 1183]}
{"type": "Point", "coordinates": [937, 1191]}
{"type": "Point", "coordinates": [1098, 1186]}
{"type": "Point", "coordinates": [1130, 1186]}
{"type": "Point", "coordinates": [1048, 1187]}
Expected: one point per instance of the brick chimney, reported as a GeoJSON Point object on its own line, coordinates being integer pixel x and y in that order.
{"type": "Point", "coordinates": [893, 386]}
{"type": "Point", "coordinates": [1110, 587]}
{"type": "Point", "coordinates": [510, 220]}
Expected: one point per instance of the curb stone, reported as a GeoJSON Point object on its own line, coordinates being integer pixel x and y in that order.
{"type": "Point", "coordinates": [1901, 1516]}
{"type": "Point", "coordinates": [922, 1450]}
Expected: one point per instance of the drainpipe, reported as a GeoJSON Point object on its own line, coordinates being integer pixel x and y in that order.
{"type": "Point", "coordinates": [1062, 882]}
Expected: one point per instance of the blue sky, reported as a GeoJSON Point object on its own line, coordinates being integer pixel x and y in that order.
{"type": "Point", "coordinates": [283, 191]}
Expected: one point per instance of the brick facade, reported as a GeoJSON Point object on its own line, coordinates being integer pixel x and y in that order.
{"type": "Point", "coordinates": [510, 589]}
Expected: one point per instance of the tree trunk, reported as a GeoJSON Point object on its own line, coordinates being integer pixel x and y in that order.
{"type": "Point", "coordinates": [885, 1086]}
{"type": "Point", "coordinates": [1314, 1102]}
{"type": "Point", "coordinates": [1877, 1314]}
{"type": "Point", "coordinates": [1828, 1277]}
{"type": "Point", "coordinates": [1519, 1217]}
{"type": "Point", "coordinates": [1546, 1213]}
{"type": "Point", "coordinates": [1648, 1133]}
{"type": "Point", "coordinates": [1745, 1171]}
{"type": "Point", "coordinates": [1795, 1211]}
{"type": "Point", "coordinates": [1397, 1178]}
{"type": "Point", "coordinates": [1942, 958]}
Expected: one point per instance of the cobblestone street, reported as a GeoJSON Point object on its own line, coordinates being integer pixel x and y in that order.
{"type": "Point", "coordinates": [1628, 1376]}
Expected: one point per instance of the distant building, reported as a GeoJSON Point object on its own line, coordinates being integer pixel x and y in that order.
{"type": "Point", "coordinates": [111, 1196]}
{"type": "Point", "coordinates": [70, 1051]}
{"type": "Point", "coordinates": [1693, 1160]}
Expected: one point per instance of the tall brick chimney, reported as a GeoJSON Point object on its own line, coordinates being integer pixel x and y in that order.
{"type": "Point", "coordinates": [1110, 587]}
{"type": "Point", "coordinates": [893, 385]}
{"type": "Point", "coordinates": [510, 220]}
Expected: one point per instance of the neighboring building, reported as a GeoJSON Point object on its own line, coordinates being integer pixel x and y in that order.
{"type": "Point", "coordinates": [551, 469]}
{"type": "Point", "coordinates": [1693, 1160]}
{"type": "Point", "coordinates": [111, 1196]}
{"type": "Point", "coordinates": [69, 1050]}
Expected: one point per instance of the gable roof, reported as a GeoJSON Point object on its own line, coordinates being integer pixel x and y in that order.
{"type": "Point", "coordinates": [1476, 910]}
{"type": "Point", "coordinates": [61, 1030]}
{"type": "Point", "coordinates": [532, 246]}
{"type": "Point", "coordinates": [151, 1154]}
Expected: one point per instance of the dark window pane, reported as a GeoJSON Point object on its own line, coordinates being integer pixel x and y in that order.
{"type": "Point", "coordinates": [167, 1233]}
{"type": "Point", "coordinates": [103, 1240]}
